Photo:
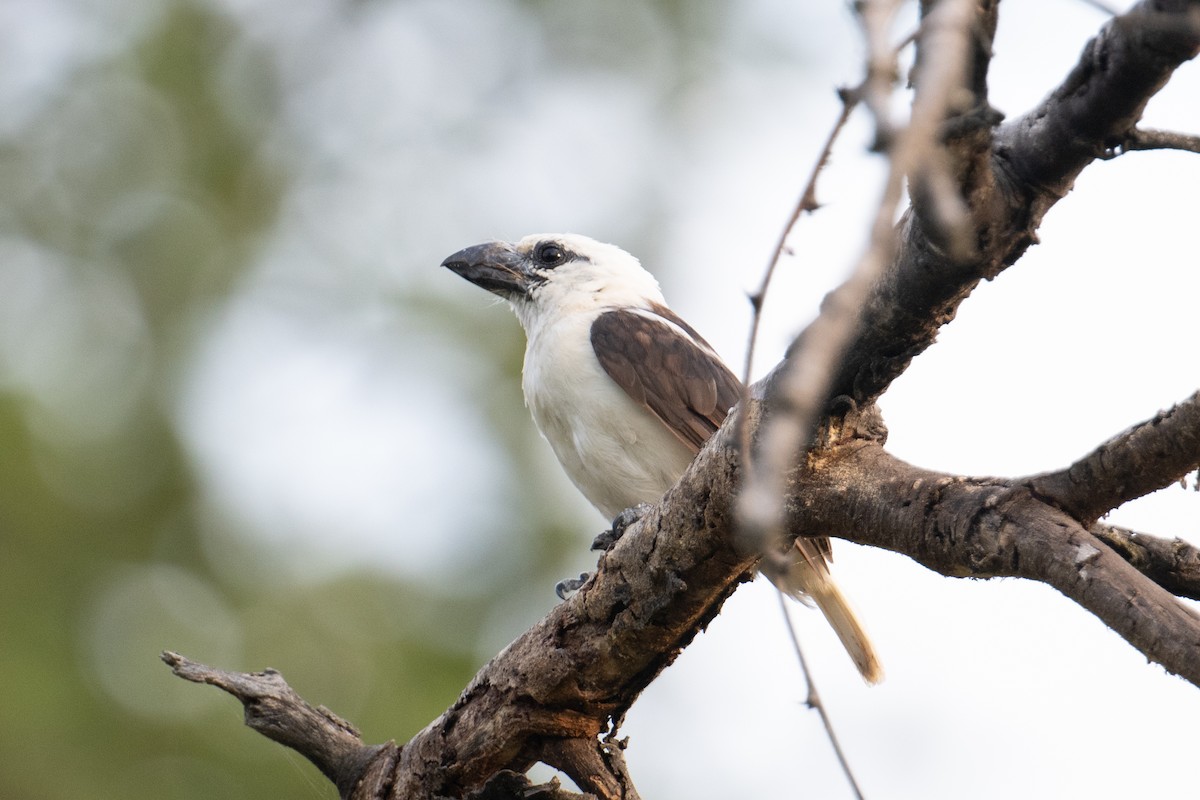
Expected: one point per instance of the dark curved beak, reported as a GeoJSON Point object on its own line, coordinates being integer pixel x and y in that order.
{"type": "Point", "coordinates": [495, 266]}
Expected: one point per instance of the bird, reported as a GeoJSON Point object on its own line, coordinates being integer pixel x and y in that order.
{"type": "Point", "coordinates": [626, 392]}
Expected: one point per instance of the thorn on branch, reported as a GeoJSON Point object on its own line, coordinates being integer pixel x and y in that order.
{"type": "Point", "coordinates": [813, 701]}
{"type": "Point", "coordinates": [807, 203]}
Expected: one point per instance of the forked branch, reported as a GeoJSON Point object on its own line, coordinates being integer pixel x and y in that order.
{"type": "Point", "coordinates": [990, 527]}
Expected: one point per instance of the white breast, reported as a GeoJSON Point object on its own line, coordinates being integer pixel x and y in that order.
{"type": "Point", "coordinates": [615, 451]}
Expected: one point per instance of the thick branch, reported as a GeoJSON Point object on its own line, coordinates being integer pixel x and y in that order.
{"type": "Point", "coordinates": [993, 528]}
{"type": "Point", "coordinates": [1143, 459]}
{"type": "Point", "coordinates": [552, 691]}
{"type": "Point", "coordinates": [1036, 158]}
{"type": "Point", "coordinates": [589, 658]}
{"type": "Point", "coordinates": [1102, 99]}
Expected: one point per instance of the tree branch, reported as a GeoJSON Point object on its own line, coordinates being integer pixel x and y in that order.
{"type": "Point", "coordinates": [813, 699]}
{"type": "Point", "coordinates": [1102, 99]}
{"type": "Point", "coordinates": [1172, 564]}
{"type": "Point", "coordinates": [807, 203]}
{"type": "Point", "coordinates": [988, 527]}
{"type": "Point", "coordinates": [557, 687]}
{"type": "Point", "coordinates": [1147, 457]}
{"type": "Point", "coordinates": [797, 390]}
{"type": "Point", "coordinates": [509, 785]}
{"type": "Point", "coordinates": [1152, 139]}
{"type": "Point", "coordinates": [585, 663]}
{"type": "Point", "coordinates": [275, 710]}
{"type": "Point", "coordinates": [1035, 160]}
{"type": "Point", "coordinates": [600, 765]}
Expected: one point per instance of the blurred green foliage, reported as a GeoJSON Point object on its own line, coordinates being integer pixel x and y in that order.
{"type": "Point", "coordinates": [89, 568]}
{"type": "Point", "coordinates": [135, 193]}
{"type": "Point", "coordinates": [128, 202]}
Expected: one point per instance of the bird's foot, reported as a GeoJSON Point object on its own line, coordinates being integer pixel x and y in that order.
{"type": "Point", "coordinates": [570, 586]}
{"type": "Point", "coordinates": [620, 522]}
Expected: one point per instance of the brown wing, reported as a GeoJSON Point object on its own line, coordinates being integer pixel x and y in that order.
{"type": "Point", "coordinates": [681, 380]}
{"type": "Point", "coordinates": [667, 368]}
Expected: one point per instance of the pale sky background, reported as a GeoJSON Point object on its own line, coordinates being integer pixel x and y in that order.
{"type": "Point", "coordinates": [310, 429]}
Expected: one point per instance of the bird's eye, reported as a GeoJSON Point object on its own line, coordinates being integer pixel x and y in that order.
{"type": "Point", "coordinates": [548, 254]}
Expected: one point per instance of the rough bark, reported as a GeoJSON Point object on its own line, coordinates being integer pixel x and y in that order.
{"type": "Point", "coordinates": [1172, 564]}
{"type": "Point", "coordinates": [1132, 464]}
{"type": "Point", "coordinates": [989, 527]}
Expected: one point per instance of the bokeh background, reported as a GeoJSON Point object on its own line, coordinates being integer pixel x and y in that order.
{"type": "Point", "coordinates": [244, 415]}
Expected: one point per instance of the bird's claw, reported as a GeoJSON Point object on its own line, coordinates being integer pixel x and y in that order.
{"type": "Point", "coordinates": [620, 523]}
{"type": "Point", "coordinates": [570, 586]}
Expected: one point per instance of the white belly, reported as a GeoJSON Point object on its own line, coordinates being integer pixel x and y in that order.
{"type": "Point", "coordinates": [616, 451]}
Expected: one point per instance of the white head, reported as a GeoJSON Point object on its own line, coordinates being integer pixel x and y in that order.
{"type": "Point", "coordinates": [553, 273]}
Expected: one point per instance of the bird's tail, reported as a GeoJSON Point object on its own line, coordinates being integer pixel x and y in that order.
{"type": "Point", "coordinates": [808, 578]}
